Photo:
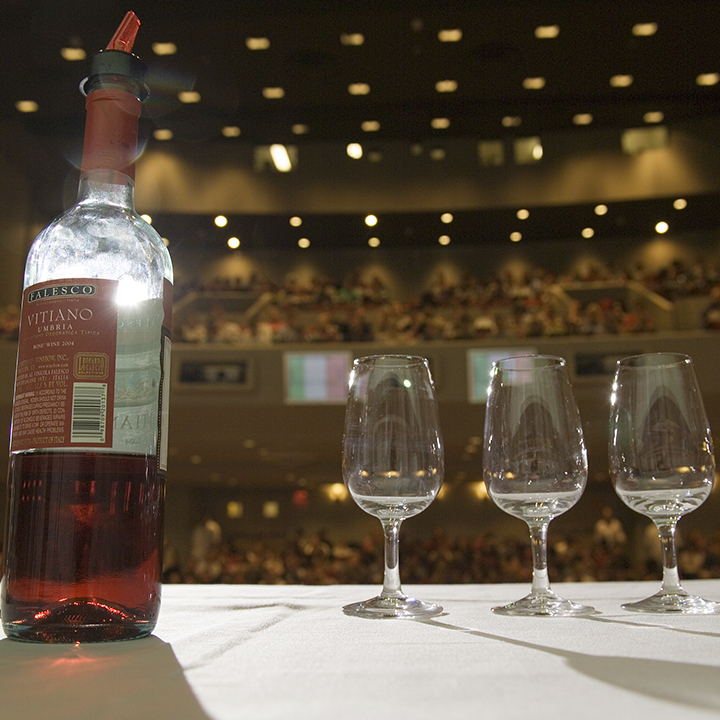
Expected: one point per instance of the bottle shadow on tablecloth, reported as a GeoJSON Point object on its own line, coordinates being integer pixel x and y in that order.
{"type": "Point", "coordinates": [687, 684]}
{"type": "Point", "coordinates": [113, 681]}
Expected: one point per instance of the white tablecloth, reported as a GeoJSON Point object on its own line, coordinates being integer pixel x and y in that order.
{"type": "Point", "coordinates": [257, 652]}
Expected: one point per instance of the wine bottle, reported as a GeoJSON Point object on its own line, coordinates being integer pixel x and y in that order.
{"type": "Point", "coordinates": [88, 447]}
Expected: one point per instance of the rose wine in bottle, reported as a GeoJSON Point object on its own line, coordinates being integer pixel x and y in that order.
{"type": "Point", "coordinates": [88, 448]}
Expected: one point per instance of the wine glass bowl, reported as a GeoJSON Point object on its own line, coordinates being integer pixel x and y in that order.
{"type": "Point", "coordinates": [534, 462]}
{"type": "Point", "coordinates": [393, 462]}
{"type": "Point", "coordinates": [661, 459]}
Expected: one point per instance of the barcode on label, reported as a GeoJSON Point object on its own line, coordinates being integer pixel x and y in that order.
{"type": "Point", "coordinates": [89, 412]}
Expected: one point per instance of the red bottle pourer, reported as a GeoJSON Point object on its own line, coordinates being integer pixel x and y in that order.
{"type": "Point", "coordinates": [124, 37]}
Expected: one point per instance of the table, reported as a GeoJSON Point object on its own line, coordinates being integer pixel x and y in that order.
{"type": "Point", "coordinates": [224, 652]}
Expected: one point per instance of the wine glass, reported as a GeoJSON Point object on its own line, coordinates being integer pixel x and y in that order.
{"type": "Point", "coordinates": [393, 462]}
{"type": "Point", "coordinates": [661, 459]}
{"type": "Point", "coordinates": [535, 463]}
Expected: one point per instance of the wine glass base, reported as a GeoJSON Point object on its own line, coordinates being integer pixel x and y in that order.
{"type": "Point", "coordinates": [544, 605]}
{"type": "Point", "coordinates": [674, 602]}
{"type": "Point", "coordinates": [401, 606]}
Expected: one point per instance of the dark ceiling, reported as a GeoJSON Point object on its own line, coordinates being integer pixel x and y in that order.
{"type": "Point", "coordinates": [401, 59]}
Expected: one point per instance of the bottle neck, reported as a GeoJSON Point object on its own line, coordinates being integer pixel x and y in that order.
{"type": "Point", "coordinates": [111, 130]}
{"type": "Point", "coordinates": [109, 187]}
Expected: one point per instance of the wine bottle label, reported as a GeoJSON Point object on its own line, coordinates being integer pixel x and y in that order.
{"type": "Point", "coordinates": [89, 369]}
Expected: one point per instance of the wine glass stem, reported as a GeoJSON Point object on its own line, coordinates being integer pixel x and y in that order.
{"type": "Point", "coordinates": [391, 582]}
{"type": "Point", "coordinates": [538, 542]}
{"type": "Point", "coordinates": [671, 577]}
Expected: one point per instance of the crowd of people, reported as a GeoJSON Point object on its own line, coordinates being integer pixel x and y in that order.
{"type": "Point", "coordinates": [314, 559]}
{"type": "Point", "coordinates": [357, 310]}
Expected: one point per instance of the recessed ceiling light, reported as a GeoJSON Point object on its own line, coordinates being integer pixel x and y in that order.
{"type": "Point", "coordinates": [164, 48]}
{"type": "Point", "coordinates": [601, 209]}
{"type": "Point", "coordinates": [587, 232]}
{"type": "Point", "coordinates": [511, 121]}
{"type": "Point", "coordinates": [547, 31]}
{"type": "Point", "coordinates": [523, 214]}
{"type": "Point", "coordinates": [440, 123]}
{"type": "Point", "coordinates": [446, 86]}
{"type": "Point", "coordinates": [303, 243]}
{"type": "Point", "coordinates": [374, 241]}
{"type": "Point", "coordinates": [296, 221]}
{"type": "Point", "coordinates": [371, 220]}
{"type": "Point", "coordinates": [300, 129]}
{"type": "Point", "coordinates": [355, 151]}
{"type": "Point", "coordinates": [653, 117]}
{"type": "Point", "coordinates": [26, 106]}
{"type": "Point", "coordinates": [230, 131]}
{"type": "Point", "coordinates": [257, 43]}
{"type": "Point", "coordinates": [189, 96]}
{"type": "Point", "coordinates": [620, 81]}
{"type": "Point", "coordinates": [662, 227]}
{"type": "Point", "coordinates": [450, 35]}
{"type": "Point", "coordinates": [163, 134]}
{"type": "Point", "coordinates": [370, 125]}
{"type": "Point", "coordinates": [358, 88]}
{"type": "Point", "coordinates": [273, 93]}
{"type": "Point", "coordinates": [534, 83]}
{"type": "Point", "coordinates": [355, 39]}
{"type": "Point", "coordinates": [72, 54]}
{"type": "Point", "coordinates": [166, 242]}
{"type": "Point", "coordinates": [644, 29]}
{"type": "Point", "coordinates": [147, 219]}
{"type": "Point", "coordinates": [221, 221]}
{"type": "Point", "coordinates": [444, 239]}
{"type": "Point", "coordinates": [437, 153]}
{"type": "Point", "coordinates": [233, 243]}
{"type": "Point", "coordinates": [446, 218]}
{"type": "Point", "coordinates": [680, 204]}
{"type": "Point", "coordinates": [582, 119]}
{"type": "Point", "coordinates": [707, 79]}
{"type": "Point", "coordinates": [515, 236]}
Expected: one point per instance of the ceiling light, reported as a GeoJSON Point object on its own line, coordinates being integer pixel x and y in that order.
{"type": "Point", "coordinates": [440, 123]}
{"type": "Point", "coordinates": [230, 131]}
{"type": "Point", "coordinates": [374, 242]}
{"type": "Point", "coordinates": [534, 83]}
{"type": "Point", "coordinates": [164, 48]}
{"type": "Point", "coordinates": [375, 156]}
{"type": "Point", "coordinates": [147, 219]}
{"type": "Point", "coordinates": [601, 209]}
{"type": "Point", "coordinates": [620, 81]}
{"type": "Point", "coordinates": [300, 129]}
{"type": "Point", "coordinates": [582, 119]}
{"type": "Point", "coordinates": [680, 204]}
{"type": "Point", "coordinates": [446, 218]}
{"type": "Point", "coordinates": [72, 54]}
{"type": "Point", "coordinates": [511, 121]}
{"type": "Point", "coordinates": [523, 214]}
{"type": "Point", "coordinates": [370, 125]}
{"type": "Point", "coordinates": [653, 117]}
{"type": "Point", "coordinates": [515, 236]}
{"type": "Point", "coordinates": [280, 157]}
{"type": "Point", "coordinates": [662, 227]}
{"type": "Point", "coordinates": [416, 149]}
{"type": "Point", "coordinates": [644, 29]}
{"type": "Point", "coordinates": [233, 243]}
{"type": "Point", "coordinates": [444, 239]}
{"type": "Point", "coordinates": [437, 153]}
{"type": "Point", "coordinates": [162, 134]}
{"type": "Point", "coordinates": [303, 243]}
{"type": "Point", "coordinates": [547, 31]}
{"type": "Point", "coordinates": [296, 221]}
{"type": "Point", "coordinates": [189, 96]}
{"type": "Point", "coordinates": [587, 232]}
{"type": "Point", "coordinates": [355, 151]}
{"type": "Point", "coordinates": [708, 79]}
{"type": "Point", "coordinates": [166, 242]}
{"type": "Point", "coordinates": [355, 39]}
{"type": "Point", "coordinates": [358, 88]}
{"type": "Point", "coordinates": [371, 220]}
{"type": "Point", "coordinates": [273, 93]}
{"type": "Point", "coordinates": [446, 86]}
{"type": "Point", "coordinates": [26, 106]}
{"type": "Point", "coordinates": [257, 43]}
{"type": "Point", "coordinates": [221, 221]}
{"type": "Point", "coordinates": [450, 35]}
